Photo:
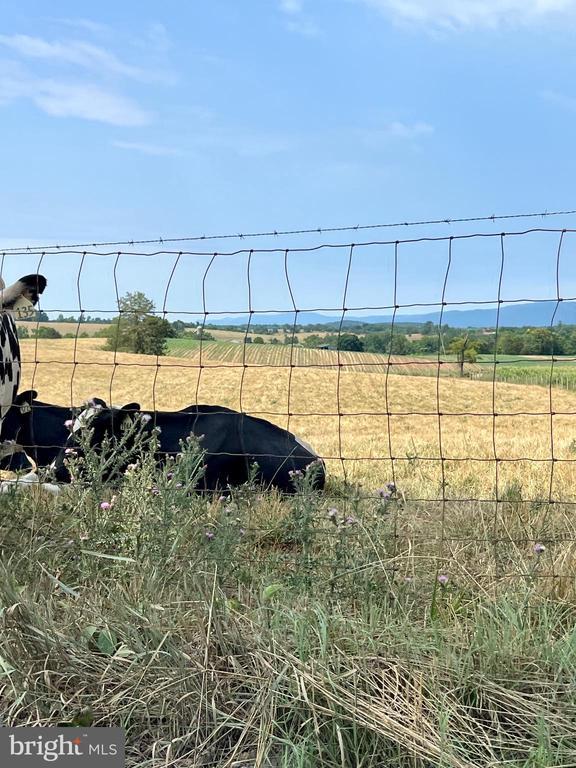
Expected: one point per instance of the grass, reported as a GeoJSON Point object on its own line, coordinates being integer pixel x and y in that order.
{"type": "Point", "coordinates": [258, 631]}
{"type": "Point", "coordinates": [311, 631]}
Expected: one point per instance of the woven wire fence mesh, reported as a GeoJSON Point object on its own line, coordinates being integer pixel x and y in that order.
{"type": "Point", "coordinates": [453, 453]}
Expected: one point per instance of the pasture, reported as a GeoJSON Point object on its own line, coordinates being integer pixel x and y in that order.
{"type": "Point", "coordinates": [432, 626]}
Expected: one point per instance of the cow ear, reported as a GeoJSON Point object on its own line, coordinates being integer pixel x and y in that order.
{"type": "Point", "coordinates": [26, 397]}
{"type": "Point", "coordinates": [131, 408]}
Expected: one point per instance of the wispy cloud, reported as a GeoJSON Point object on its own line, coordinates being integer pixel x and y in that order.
{"type": "Point", "coordinates": [395, 131]}
{"type": "Point", "coordinates": [68, 99]}
{"type": "Point", "coordinates": [154, 150]}
{"type": "Point", "coordinates": [297, 21]}
{"type": "Point", "coordinates": [464, 14]}
{"type": "Point", "coordinates": [75, 52]}
{"type": "Point", "coordinates": [291, 6]}
{"type": "Point", "coordinates": [86, 25]}
{"type": "Point", "coordinates": [77, 78]}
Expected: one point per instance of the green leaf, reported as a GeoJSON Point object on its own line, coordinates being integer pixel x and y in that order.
{"type": "Point", "coordinates": [89, 632]}
{"type": "Point", "coordinates": [107, 642]}
{"type": "Point", "coordinates": [269, 591]}
{"type": "Point", "coordinates": [83, 718]}
{"type": "Point", "coordinates": [5, 667]}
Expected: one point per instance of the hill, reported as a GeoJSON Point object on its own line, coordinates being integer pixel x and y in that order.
{"type": "Point", "coordinates": [533, 313]}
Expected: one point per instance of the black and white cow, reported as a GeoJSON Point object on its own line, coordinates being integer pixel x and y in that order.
{"type": "Point", "coordinates": [36, 430]}
{"type": "Point", "coordinates": [233, 443]}
{"type": "Point", "coordinates": [22, 294]}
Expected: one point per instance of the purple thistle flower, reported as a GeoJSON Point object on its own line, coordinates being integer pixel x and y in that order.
{"type": "Point", "coordinates": [179, 485]}
{"type": "Point", "coordinates": [170, 475]}
{"type": "Point", "coordinates": [70, 452]}
{"type": "Point", "coordinates": [442, 579]}
{"type": "Point", "coordinates": [350, 520]}
{"type": "Point", "coordinates": [332, 512]}
{"type": "Point", "coordinates": [69, 423]}
{"type": "Point", "coordinates": [105, 505]}
{"type": "Point", "coordinates": [222, 498]}
{"type": "Point", "coordinates": [384, 494]}
{"type": "Point", "coordinates": [209, 535]}
{"type": "Point", "coordinates": [539, 548]}
{"type": "Point", "coordinates": [391, 487]}
{"type": "Point", "coordinates": [242, 531]}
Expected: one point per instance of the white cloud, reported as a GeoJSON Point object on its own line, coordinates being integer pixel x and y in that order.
{"type": "Point", "coordinates": [462, 14]}
{"type": "Point", "coordinates": [395, 130]}
{"type": "Point", "coordinates": [154, 150]}
{"type": "Point", "coordinates": [75, 52]}
{"type": "Point", "coordinates": [89, 102]}
{"type": "Point", "coordinates": [291, 6]}
{"type": "Point", "coordinates": [297, 21]}
{"type": "Point", "coordinates": [63, 99]}
{"type": "Point", "coordinates": [86, 25]}
{"type": "Point", "coordinates": [303, 27]}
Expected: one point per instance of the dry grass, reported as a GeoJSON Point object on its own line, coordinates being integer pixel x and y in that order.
{"type": "Point", "coordinates": [299, 642]}
{"type": "Point", "coordinates": [467, 434]}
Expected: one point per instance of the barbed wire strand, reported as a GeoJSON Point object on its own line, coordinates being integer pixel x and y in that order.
{"type": "Point", "coordinates": [301, 231]}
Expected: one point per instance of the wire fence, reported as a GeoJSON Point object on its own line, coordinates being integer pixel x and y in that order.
{"type": "Point", "coordinates": [490, 450]}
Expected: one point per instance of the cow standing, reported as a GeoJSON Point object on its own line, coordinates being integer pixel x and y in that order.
{"type": "Point", "coordinates": [23, 294]}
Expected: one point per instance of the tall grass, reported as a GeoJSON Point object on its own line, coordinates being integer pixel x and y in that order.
{"type": "Point", "coordinates": [249, 629]}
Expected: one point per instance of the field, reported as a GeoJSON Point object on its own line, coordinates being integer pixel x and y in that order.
{"type": "Point", "coordinates": [431, 627]}
{"type": "Point", "coordinates": [65, 328]}
{"type": "Point", "coordinates": [344, 412]}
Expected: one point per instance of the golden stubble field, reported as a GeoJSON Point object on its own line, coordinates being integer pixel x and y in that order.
{"type": "Point", "coordinates": [523, 436]}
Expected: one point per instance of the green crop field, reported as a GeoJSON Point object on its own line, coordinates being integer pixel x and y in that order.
{"type": "Point", "coordinates": [229, 353]}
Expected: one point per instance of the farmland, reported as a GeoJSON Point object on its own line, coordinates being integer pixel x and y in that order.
{"type": "Point", "coordinates": [354, 411]}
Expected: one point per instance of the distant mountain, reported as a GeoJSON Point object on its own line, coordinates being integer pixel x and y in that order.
{"type": "Point", "coordinates": [534, 313]}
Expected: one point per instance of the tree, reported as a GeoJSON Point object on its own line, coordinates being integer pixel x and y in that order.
{"type": "Point", "coordinates": [465, 350]}
{"type": "Point", "coordinates": [313, 341]}
{"type": "Point", "coordinates": [274, 340]}
{"type": "Point", "coordinates": [137, 329]}
{"type": "Point", "coordinates": [377, 342]}
{"type": "Point", "coordinates": [45, 332]}
{"type": "Point", "coordinates": [258, 340]}
{"type": "Point", "coordinates": [510, 343]}
{"type": "Point", "coordinates": [350, 342]}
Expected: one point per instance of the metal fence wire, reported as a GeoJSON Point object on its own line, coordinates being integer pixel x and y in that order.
{"type": "Point", "coordinates": [489, 439]}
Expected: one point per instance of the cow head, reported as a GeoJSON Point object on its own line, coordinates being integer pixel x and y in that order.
{"type": "Point", "coordinates": [28, 288]}
{"type": "Point", "coordinates": [106, 425]}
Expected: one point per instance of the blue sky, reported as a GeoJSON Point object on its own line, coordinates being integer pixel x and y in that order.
{"type": "Point", "coordinates": [146, 119]}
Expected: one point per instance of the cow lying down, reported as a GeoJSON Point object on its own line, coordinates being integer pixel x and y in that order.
{"type": "Point", "coordinates": [33, 433]}
{"type": "Point", "coordinates": [233, 443]}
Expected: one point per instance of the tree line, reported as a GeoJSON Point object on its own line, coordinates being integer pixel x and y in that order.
{"type": "Point", "coordinates": [138, 329]}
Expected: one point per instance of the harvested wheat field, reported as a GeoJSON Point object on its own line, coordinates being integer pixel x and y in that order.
{"type": "Point", "coordinates": [523, 436]}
